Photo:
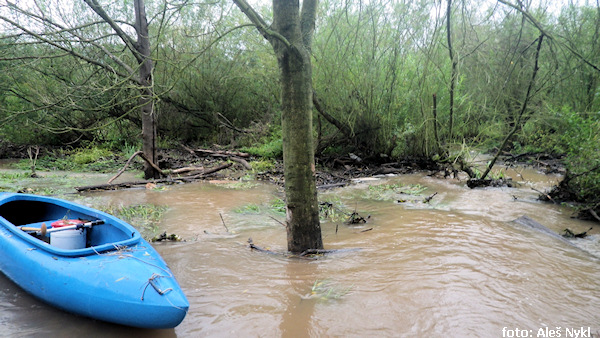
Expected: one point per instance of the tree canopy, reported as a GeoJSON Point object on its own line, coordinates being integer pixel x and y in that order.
{"type": "Point", "coordinates": [68, 77]}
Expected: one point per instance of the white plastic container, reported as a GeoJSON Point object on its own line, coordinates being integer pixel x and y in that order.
{"type": "Point", "coordinates": [68, 239]}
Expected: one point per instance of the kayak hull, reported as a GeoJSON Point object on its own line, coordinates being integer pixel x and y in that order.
{"type": "Point", "coordinates": [118, 277]}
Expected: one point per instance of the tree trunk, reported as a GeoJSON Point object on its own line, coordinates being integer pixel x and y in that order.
{"type": "Point", "coordinates": [302, 213]}
{"type": "Point", "coordinates": [453, 72]}
{"type": "Point", "coordinates": [146, 101]}
{"type": "Point", "coordinates": [291, 35]}
{"type": "Point", "coordinates": [517, 124]}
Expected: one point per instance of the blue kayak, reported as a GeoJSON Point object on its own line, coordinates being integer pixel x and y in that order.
{"type": "Point", "coordinates": [86, 262]}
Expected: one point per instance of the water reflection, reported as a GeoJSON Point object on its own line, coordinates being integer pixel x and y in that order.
{"type": "Point", "coordinates": [297, 316]}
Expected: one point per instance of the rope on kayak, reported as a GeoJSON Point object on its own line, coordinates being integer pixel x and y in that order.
{"type": "Point", "coordinates": [151, 282]}
{"type": "Point", "coordinates": [160, 292]}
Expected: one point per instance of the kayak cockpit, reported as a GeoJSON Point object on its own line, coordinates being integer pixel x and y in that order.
{"type": "Point", "coordinates": [31, 219]}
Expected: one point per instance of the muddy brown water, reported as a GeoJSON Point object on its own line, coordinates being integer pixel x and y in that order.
{"type": "Point", "coordinates": [453, 268]}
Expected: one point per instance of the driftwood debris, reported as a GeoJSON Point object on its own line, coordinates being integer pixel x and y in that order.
{"type": "Point", "coordinates": [568, 233]}
{"type": "Point", "coordinates": [220, 153]}
{"type": "Point", "coordinates": [235, 156]}
{"type": "Point", "coordinates": [114, 186]}
{"type": "Point", "coordinates": [479, 183]}
{"type": "Point", "coordinates": [140, 154]}
{"type": "Point", "coordinates": [429, 198]}
{"type": "Point", "coordinates": [164, 237]}
{"type": "Point", "coordinates": [355, 218]}
{"type": "Point", "coordinates": [310, 254]}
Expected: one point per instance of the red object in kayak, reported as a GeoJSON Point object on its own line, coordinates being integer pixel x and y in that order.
{"type": "Point", "coordinates": [66, 223]}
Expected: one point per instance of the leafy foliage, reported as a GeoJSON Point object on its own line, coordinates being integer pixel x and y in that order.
{"type": "Point", "coordinates": [377, 68]}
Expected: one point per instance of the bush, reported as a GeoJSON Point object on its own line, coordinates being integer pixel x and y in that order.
{"type": "Point", "coordinates": [577, 137]}
{"type": "Point", "coordinates": [90, 155]}
{"type": "Point", "coordinates": [271, 147]}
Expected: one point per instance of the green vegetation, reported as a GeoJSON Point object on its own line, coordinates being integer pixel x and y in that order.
{"type": "Point", "coordinates": [45, 184]}
{"type": "Point", "coordinates": [381, 72]}
{"type": "Point", "coordinates": [391, 192]}
{"type": "Point", "coordinates": [248, 209]}
{"type": "Point", "coordinates": [79, 160]}
{"type": "Point", "coordinates": [326, 290]}
{"type": "Point", "coordinates": [270, 148]}
{"type": "Point", "coordinates": [145, 217]}
{"type": "Point", "coordinates": [331, 208]}
{"type": "Point", "coordinates": [262, 165]}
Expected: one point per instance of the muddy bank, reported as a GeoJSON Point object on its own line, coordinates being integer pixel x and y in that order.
{"type": "Point", "coordinates": [332, 171]}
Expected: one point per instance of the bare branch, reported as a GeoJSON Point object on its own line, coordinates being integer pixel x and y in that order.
{"type": "Point", "coordinates": [66, 49]}
{"type": "Point", "coordinates": [260, 23]}
{"type": "Point", "coordinates": [548, 35]}
{"type": "Point", "coordinates": [129, 42]}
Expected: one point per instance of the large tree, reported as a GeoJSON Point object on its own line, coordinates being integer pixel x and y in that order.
{"type": "Point", "coordinates": [291, 35]}
{"type": "Point", "coordinates": [140, 48]}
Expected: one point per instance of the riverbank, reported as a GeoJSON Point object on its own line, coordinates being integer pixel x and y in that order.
{"type": "Point", "coordinates": [52, 171]}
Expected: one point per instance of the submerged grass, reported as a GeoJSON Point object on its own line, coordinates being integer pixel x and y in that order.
{"type": "Point", "coordinates": [47, 184]}
{"type": "Point", "coordinates": [389, 192]}
{"type": "Point", "coordinates": [331, 208]}
{"type": "Point", "coordinates": [248, 209]}
{"type": "Point", "coordinates": [326, 290]}
{"type": "Point", "coordinates": [145, 217]}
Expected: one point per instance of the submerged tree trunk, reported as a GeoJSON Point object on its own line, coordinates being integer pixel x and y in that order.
{"type": "Point", "coordinates": [302, 215]}
{"type": "Point", "coordinates": [291, 35]}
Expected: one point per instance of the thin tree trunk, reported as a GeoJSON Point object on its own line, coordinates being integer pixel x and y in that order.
{"type": "Point", "coordinates": [435, 124]}
{"type": "Point", "coordinates": [453, 74]}
{"type": "Point", "coordinates": [517, 124]}
{"type": "Point", "coordinates": [146, 100]}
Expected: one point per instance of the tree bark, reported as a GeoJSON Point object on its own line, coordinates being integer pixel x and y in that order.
{"type": "Point", "coordinates": [302, 212]}
{"type": "Point", "coordinates": [141, 52]}
{"type": "Point", "coordinates": [453, 74]}
{"type": "Point", "coordinates": [291, 35]}
{"type": "Point", "coordinates": [146, 100]}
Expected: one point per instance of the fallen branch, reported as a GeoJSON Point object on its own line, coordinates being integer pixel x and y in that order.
{"type": "Point", "coordinates": [333, 185]}
{"type": "Point", "coordinates": [594, 214]}
{"type": "Point", "coordinates": [243, 162]}
{"type": "Point", "coordinates": [186, 170]}
{"type": "Point", "coordinates": [140, 154]}
{"type": "Point", "coordinates": [222, 220]}
{"type": "Point", "coordinates": [278, 221]}
{"type": "Point", "coordinates": [124, 167]}
{"type": "Point", "coordinates": [165, 180]}
{"type": "Point", "coordinates": [429, 198]}
{"type": "Point", "coordinates": [205, 173]}
{"type": "Point", "coordinates": [545, 195]}
{"type": "Point", "coordinates": [220, 153]}
{"type": "Point", "coordinates": [568, 233]}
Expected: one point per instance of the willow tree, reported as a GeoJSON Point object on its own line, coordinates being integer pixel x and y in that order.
{"type": "Point", "coordinates": [140, 48]}
{"type": "Point", "coordinates": [91, 43]}
{"type": "Point", "coordinates": [290, 35]}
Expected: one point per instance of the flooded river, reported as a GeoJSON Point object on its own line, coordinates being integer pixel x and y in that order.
{"type": "Point", "coordinates": [454, 267]}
